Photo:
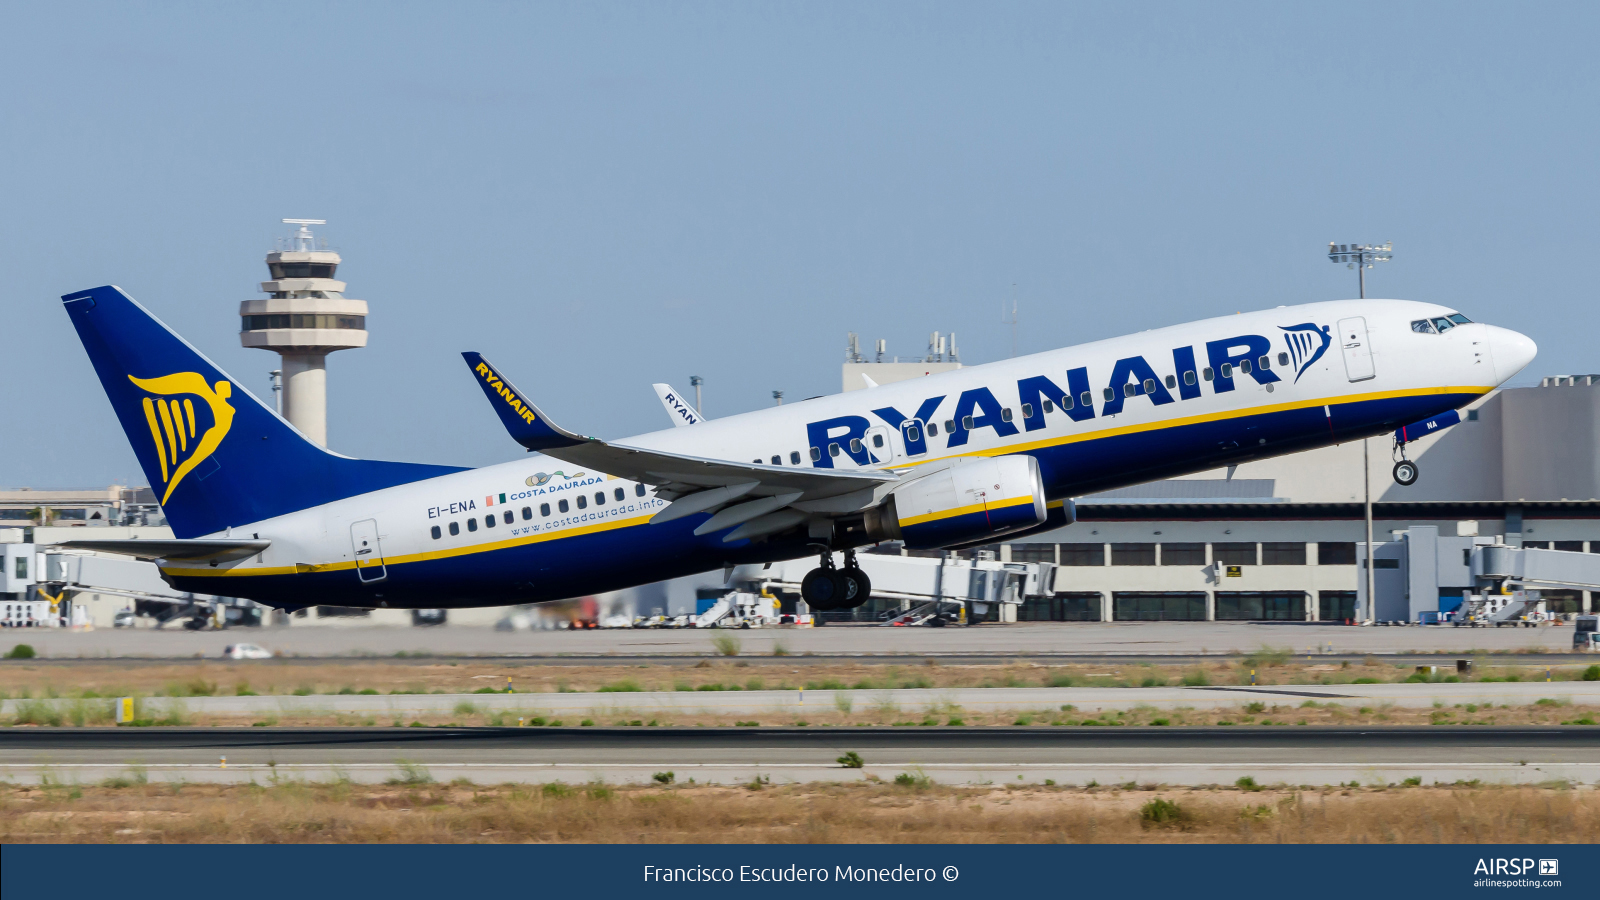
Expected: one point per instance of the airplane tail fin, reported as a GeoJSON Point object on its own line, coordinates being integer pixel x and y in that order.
{"type": "Point", "coordinates": [214, 455]}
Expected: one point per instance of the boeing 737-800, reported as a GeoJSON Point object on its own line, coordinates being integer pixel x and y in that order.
{"type": "Point", "coordinates": [960, 458]}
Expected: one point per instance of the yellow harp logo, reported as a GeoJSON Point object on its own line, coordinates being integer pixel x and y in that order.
{"type": "Point", "coordinates": [182, 441]}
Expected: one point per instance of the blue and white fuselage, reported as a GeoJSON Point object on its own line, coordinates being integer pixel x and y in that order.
{"type": "Point", "coordinates": [836, 471]}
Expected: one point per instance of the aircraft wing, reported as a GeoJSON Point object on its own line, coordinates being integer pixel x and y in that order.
{"type": "Point", "coordinates": [758, 498]}
{"type": "Point", "coordinates": [203, 549]}
{"type": "Point", "coordinates": [680, 412]}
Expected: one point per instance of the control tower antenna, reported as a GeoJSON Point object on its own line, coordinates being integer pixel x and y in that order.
{"type": "Point", "coordinates": [306, 317]}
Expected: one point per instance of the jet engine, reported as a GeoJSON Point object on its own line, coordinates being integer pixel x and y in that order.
{"type": "Point", "coordinates": [964, 501]}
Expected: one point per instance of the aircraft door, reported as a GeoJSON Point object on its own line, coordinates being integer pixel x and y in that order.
{"type": "Point", "coordinates": [1357, 350]}
{"type": "Point", "coordinates": [368, 552]}
{"type": "Point", "coordinates": [880, 444]}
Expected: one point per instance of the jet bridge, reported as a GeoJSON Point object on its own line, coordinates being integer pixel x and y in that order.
{"type": "Point", "coordinates": [1423, 577]}
{"type": "Point", "coordinates": [930, 590]}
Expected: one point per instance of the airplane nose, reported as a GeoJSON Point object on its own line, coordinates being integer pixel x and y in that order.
{"type": "Point", "coordinates": [1511, 351]}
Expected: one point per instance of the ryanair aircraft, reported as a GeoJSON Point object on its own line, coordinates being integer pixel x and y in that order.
{"type": "Point", "coordinates": [956, 459]}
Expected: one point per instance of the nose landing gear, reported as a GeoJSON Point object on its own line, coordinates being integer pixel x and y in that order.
{"type": "Point", "coordinates": [828, 588]}
{"type": "Point", "coordinates": [1405, 473]}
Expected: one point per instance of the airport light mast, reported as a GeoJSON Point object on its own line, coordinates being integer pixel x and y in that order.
{"type": "Point", "coordinates": [306, 317]}
{"type": "Point", "coordinates": [1360, 257]}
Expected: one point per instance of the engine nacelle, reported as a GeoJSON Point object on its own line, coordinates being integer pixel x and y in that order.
{"type": "Point", "coordinates": [965, 501]}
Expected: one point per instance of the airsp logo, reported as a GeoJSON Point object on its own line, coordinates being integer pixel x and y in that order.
{"type": "Point", "coordinates": [185, 434]}
{"type": "Point", "coordinates": [544, 478]}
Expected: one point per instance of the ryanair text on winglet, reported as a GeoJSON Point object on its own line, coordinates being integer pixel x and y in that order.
{"type": "Point", "coordinates": [500, 388]}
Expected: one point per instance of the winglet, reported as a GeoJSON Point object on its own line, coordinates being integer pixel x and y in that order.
{"type": "Point", "coordinates": [681, 412]}
{"type": "Point", "coordinates": [527, 424]}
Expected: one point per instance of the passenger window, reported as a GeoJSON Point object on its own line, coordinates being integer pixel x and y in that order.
{"type": "Point", "coordinates": [913, 435]}
{"type": "Point", "coordinates": [777, 460]}
{"type": "Point", "coordinates": [583, 502]}
{"type": "Point", "coordinates": [1188, 377]}
{"type": "Point", "coordinates": [436, 532]}
{"type": "Point", "coordinates": [1206, 373]}
{"type": "Point", "coordinates": [1149, 385]}
{"type": "Point", "coordinates": [1048, 407]}
{"type": "Point", "coordinates": [1172, 381]}
{"type": "Point", "coordinates": [1086, 398]}
{"type": "Point", "coordinates": [544, 509]}
{"type": "Point", "coordinates": [488, 521]}
{"type": "Point", "coordinates": [1027, 410]}
{"type": "Point", "coordinates": [1264, 362]}
{"type": "Point", "coordinates": [816, 454]}
{"type": "Point", "coordinates": [472, 524]}
{"type": "Point", "coordinates": [454, 529]}
{"type": "Point", "coordinates": [877, 440]}
{"type": "Point", "coordinates": [794, 457]}
{"type": "Point", "coordinates": [1283, 359]}
{"type": "Point", "coordinates": [833, 449]}
{"type": "Point", "coordinates": [1110, 394]}
{"type": "Point", "coordinates": [949, 426]}
{"type": "Point", "coordinates": [1227, 370]}
{"type": "Point", "coordinates": [933, 429]}
{"type": "Point", "coordinates": [756, 461]}
{"type": "Point", "coordinates": [966, 423]}
{"type": "Point", "coordinates": [638, 490]}
{"type": "Point", "coordinates": [620, 494]}
{"type": "Point", "coordinates": [1130, 389]}
{"type": "Point", "coordinates": [1005, 414]}
{"type": "Point", "coordinates": [510, 518]}
{"type": "Point", "coordinates": [561, 505]}
{"type": "Point", "coordinates": [599, 498]}
{"type": "Point", "coordinates": [527, 513]}
{"type": "Point", "coordinates": [1244, 366]}
{"type": "Point", "coordinates": [855, 445]}
{"type": "Point", "coordinates": [1422, 326]}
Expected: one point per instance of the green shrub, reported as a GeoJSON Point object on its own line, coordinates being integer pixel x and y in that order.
{"type": "Point", "coordinates": [1413, 781]}
{"type": "Point", "coordinates": [1247, 783]}
{"type": "Point", "coordinates": [1162, 813]}
{"type": "Point", "coordinates": [725, 644]}
{"type": "Point", "coordinates": [916, 780]}
{"type": "Point", "coordinates": [367, 691]}
{"type": "Point", "coordinates": [663, 777]}
{"type": "Point", "coordinates": [556, 789]}
{"type": "Point", "coordinates": [625, 686]}
{"type": "Point", "coordinates": [851, 760]}
{"type": "Point", "coordinates": [1592, 673]}
{"type": "Point", "coordinates": [1364, 681]}
{"type": "Point", "coordinates": [1196, 678]}
{"type": "Point", "coordinates": [1160, 721]}
{"type": "Point", "coordinates": [1256, 707]}
{"type": "Point", "coordinates": [1059, 681]}
{"type": "Point", "coordinates": [21, 651]}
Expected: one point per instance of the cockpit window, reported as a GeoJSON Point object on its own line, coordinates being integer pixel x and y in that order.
{"type": "Point", "coordinates": [1422, 326]}
{"type": "Point", "coordinates": [1443, 324]}
{"type": "Point", "coordinates": [1459, 319]}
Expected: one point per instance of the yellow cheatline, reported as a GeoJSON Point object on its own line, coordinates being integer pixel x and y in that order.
{"type": "Point", "coordinates": [1195, 420]}
{"type": "Point", "coordinates": [410, 558]}
{"type": "Point", "coordinates": [155, 435]}
{"type": "Point", "coordinates": [965, 510]}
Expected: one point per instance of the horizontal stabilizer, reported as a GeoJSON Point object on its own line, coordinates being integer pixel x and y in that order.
{"type": "Point", "coordinates": [203, 549]}
{"type": "Point", "coordinates": [527, 425]}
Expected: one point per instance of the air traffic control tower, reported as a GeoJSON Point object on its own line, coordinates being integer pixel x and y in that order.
{"type": "Point", "coordinates": [306, 318]}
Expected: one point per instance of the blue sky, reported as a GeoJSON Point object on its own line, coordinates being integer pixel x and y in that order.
{"type": "Point", "coordinates": [600, 196]}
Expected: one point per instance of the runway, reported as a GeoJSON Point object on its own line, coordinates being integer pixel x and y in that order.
{"type": "Point", "coordinates": [1034, 640]}
{"type": "Point", "coordinates": [801, 703]}
{"type": "Point", "coordinates": [1294, 756]}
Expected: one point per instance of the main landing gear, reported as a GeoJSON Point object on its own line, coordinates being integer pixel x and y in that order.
{"type": "Point", "coordinates": [827, 588]}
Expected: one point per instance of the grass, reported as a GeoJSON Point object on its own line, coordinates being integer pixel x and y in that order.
{"type": "Point", "coordinates": [725, 644]}
{"type": "Point", "coordinates": [901, 811]}
{"type": "Point", "coordinates": [411, 774]}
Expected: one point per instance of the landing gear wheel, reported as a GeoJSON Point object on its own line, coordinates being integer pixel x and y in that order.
{"type": "Point", "coordinates": [824, 589]}
{"type": "Point", "coordinates": [1405, 473]}
{"type": "Point", "coordinates": [858, 587]}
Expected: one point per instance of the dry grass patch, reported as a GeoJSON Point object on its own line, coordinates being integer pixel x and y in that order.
{"type": "Point", "coordinates": [820, 813]}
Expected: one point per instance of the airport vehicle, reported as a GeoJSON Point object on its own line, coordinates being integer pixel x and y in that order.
{"type": "Point", "coordinates": [955, 459]}
{"type": "Point", "coordinates": [245, 651]}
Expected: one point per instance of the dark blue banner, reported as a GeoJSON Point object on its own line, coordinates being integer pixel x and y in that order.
{"type": "Point", "coordinates": [340, 872]}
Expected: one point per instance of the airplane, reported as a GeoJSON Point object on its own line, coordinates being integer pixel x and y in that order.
{"type": "Point", "coordinates": [956, 459]}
